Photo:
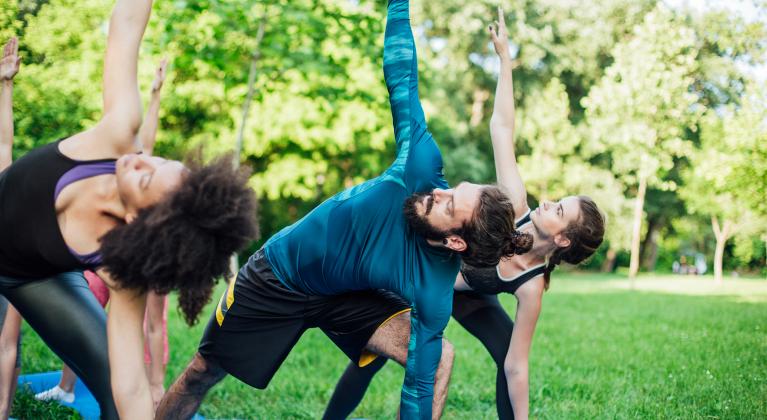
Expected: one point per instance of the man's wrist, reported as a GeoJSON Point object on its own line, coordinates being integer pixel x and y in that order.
{"type": "Point", "coordinates": [7, 82]}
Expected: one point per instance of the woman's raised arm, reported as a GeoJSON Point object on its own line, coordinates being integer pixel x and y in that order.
{"type": "Point", "coordinates": [116, 133]}
{"type": "Point", "coordinates": [502, 121]}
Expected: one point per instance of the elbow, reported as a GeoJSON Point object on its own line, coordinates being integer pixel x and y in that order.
{"type": "Point", "coordinates": [154, 326]}
{"type": "Point", "coordinates": [515, 371]}
{"type": "Point", "coordinates": [8, 352]}
{"type": "Point", "coordinates": [448, 353]}
{"type": "Point", "coordinates": [499, 128]}
{"type": "Point", "coordinates": [124, 126]}
{"type": "Point", "coordinates": [127, 392]}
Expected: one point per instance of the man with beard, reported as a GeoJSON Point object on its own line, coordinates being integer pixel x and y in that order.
{"type": "Point", "coordinates": [358, 262]}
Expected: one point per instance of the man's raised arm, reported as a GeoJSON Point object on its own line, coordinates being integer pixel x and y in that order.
{"type": "Point", "coordinates": [400, 64]}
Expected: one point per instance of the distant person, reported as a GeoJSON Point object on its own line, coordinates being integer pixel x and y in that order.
{"type": "Point", "coordinates": [700, 264]}
{"type": "Point", "coordinates": [569, 230]}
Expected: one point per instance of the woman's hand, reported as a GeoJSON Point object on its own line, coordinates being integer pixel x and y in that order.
{"type": "Point", "coordinates": [500, 36]}
{"type": "Point", "coordinates": [159, 76]}
{"type": "Point", "coordinates": [9, 64]}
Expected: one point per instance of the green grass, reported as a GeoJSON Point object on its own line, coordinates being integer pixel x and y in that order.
{"type": "Point", "coordinates": [25, 406]}
{"type": "Point", "coordinates": [674, 348]}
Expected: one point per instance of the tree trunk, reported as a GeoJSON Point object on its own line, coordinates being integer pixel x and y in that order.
{"type": "Point", "coordinates": [234, 264]}
{"type": "Point", "coordinates": [478, 107]}
{"type": "Point", "coordinates": [649, 251]}
{"type": "Point", "coordinates": [636, 231]}
{"type": "Point", "coordinates": [722, 234]}
{"type": "Point", "coordinates": [251, 90]}
{"type": "Point", "coordinates": [609, 263]}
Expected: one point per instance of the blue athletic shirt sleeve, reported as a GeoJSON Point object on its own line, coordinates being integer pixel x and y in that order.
{"type": "Point", "coordinates": [418, 165]}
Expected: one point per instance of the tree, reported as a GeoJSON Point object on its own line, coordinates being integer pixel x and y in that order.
{"type": "Point", "coordinates": [728, 177]}
{"type": "Point", "coordinates": [639, 111]}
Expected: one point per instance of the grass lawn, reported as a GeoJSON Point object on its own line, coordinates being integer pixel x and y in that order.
{"type": "Point", "coordinates": [674, 347]}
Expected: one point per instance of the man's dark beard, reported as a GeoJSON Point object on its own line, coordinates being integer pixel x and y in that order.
{"type": "Point", "coordinates": [418, 223]}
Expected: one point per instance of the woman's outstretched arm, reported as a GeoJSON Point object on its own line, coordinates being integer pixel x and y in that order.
{"type": "Point", "coordinates": [502, 121]}
{"type": "Point", "coordinates": [515, 366]}
{"type": "Point", "coordinates": [125, 335]}
{"type": "Point", "coordinates": [116, 133]}
{"type": "Point", "coordinates": [148, 132]}
{"type": "Point", "coordinates": [9, 66]}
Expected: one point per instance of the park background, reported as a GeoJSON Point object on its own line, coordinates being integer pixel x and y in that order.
{"type": "Point", "coordinates": [657, 109]}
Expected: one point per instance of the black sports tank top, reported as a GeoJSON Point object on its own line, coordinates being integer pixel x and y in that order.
{"type": "Point", "coordinates": [488, 280]}
{"type": "Point", "coordinates": [31, 245]}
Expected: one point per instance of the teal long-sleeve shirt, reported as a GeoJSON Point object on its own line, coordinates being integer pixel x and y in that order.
{"type": "Point", "coordinates": [359, 239]}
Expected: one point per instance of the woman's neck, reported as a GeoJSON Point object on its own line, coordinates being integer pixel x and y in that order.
{"type": "Point", "coordinates": [541, 249]}
{"type": "Point", "coordinates": [109, 198]}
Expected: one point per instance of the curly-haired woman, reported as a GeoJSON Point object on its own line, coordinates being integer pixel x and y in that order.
{"type": "Point", "coordinates": [569, 230]}
{"type": "Point", "coordinates": [93, 200]}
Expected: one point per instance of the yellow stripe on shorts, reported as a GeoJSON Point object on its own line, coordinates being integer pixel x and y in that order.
{"type": "Point", "coordinates": [226, 301]}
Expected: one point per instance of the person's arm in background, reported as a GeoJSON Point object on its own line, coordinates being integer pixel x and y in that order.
{"type": "Point", "coordinates": [148, 132]}
{"type": "Point", "coordinates": [9, 66]}
{"type": "Point", "coordinates": [155, 304]}
{"type": "Point", "coordinates": [155, 335]}
{"type": "Point", "coordinates": [502, 122]}
{"type": "Point", "coordinates": [9, 340]}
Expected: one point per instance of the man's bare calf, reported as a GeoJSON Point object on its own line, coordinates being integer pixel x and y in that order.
{"type": "Point", "coordinates": [185, 395]}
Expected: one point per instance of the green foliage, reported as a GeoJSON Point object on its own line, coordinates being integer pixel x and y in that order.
{"type": "Point", "coordinates": [605, 92]}
{"type": "Point", "coordinates": [642, 106]}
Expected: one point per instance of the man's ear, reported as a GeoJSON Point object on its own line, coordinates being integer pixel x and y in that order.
{"type": "Point", "coordinates": [130, 216]}
{"type": "Point", "coordinates": [456, 243]}
{"type": "Point", "coordinates": [561, 241]}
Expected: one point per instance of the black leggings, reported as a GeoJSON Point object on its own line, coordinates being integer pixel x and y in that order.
{"type": "Point", "coordinates": [481, 315]}
{"type": "Point", "coordinates": [66, 315]}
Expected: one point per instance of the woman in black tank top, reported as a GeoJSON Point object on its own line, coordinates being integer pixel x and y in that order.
{"type": "Point", "coordinates": [99, 200]}
{"type": "Point", "coordinates": [569, 230]}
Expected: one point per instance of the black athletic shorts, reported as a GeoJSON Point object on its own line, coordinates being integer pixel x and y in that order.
{"type": "Point", "coordinates": [258, 321]}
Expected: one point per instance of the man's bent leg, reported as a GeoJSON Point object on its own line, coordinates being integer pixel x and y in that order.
{"type": "Point", "coordinates": [185, 395]}
{"type": "Point", "coordinates": [391, 340]}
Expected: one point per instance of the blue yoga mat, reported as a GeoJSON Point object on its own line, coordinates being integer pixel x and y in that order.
{"type": "Point", "coordinates": [84, 402]}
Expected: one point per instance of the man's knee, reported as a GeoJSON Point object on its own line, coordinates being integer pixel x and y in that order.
{"type": "Point", "coordinates": [391, 339]}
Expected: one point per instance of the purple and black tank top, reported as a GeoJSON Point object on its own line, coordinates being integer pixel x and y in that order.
{"type": "Point", "coordinates": [31, 244]}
